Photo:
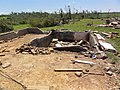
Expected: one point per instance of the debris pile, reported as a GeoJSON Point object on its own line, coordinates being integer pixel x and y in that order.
{"type": "Point", "coordinates": [77, 46]}
{"type": "Point", "coordinates": [26, 49]}
{"type": "Point", "coordinates": [113, 22]}
{"type": "Point", "coordinates": [111, 35]}
{"type": "Point", "coordinates": [87, 43]}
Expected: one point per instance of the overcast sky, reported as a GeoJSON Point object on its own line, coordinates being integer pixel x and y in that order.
{"type": "Point", "coordinates": [7, 6]}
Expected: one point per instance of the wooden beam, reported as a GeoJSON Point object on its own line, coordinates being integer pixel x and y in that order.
{"type": "Point", "coordinates": [68, 70]}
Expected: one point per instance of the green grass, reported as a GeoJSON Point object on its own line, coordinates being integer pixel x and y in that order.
{"type": "Point", "coordinates": [77, 26]}
{"type": "Point", "coordinates": [81, 26]}
{"type": "Point", "coordinates": [18, 27]}
{"type": "Point", "coordinates": [112, 57]}
{"type": "Point", "coordinates": [3, 18]}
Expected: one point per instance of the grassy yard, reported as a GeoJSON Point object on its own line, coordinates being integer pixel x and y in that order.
{"type": "Point", "coordinates": [18, 27]}
{"type": "Point", "coordinates": [81, 26]}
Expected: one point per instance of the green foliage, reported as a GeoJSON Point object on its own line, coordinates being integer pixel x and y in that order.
{"type": "Point", "coordinates": [112, 57]}
{"type": "Point", "coordinates": [45, 22]}
{"type": "Point", "coordinates": [5, 27]}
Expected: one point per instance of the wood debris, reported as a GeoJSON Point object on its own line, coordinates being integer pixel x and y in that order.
{"type": "Point", "coordinates": [83, 62]}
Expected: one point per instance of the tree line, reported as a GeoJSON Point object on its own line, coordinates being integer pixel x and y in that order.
{"type": "Point", "coordinates": [45, 19]}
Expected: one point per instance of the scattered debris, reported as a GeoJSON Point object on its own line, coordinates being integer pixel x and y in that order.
{"type": "Point", "coordinates": [113, 22]}
{"type": "Point", "coordinates": [26, 49]}
{"type": "Point", "coordinates": [113, 69]}
{"type": "Point", "coordinates": [2, 55]}
{"type": "Point", "coordinates": [0, 63]}
{"type": "Point", "coordinates": [106, 46]}
{"type": "Point", "coordinates": [4, 50]}
{"type": "Point", "coordinates": [5, 65]}
{"type": "Point", "coordinates": [89, 24]}
{"type": "Point", "coordinates": [84, 62]}
{"type": "Point", "coordinates": [110, 73]}
{"type": "Point", "coordinates": [58, 45]}
{"type": "Point", "coordinates": [93, 73]}
{"type": "Point", "coordinates": [76, 56]}
{"type": "Point", "coordinates": [79, 74]}
{"type": "Point", "coordinates": [2, 41]}
{"type": "Point", "coordinates": [107, 68]}
{"type": "Point", "coordinates": [89, 44]}
{"type": "Point", "coordinates": [78, 70]}
{"type": "Point", "coordinates": [118, 55]}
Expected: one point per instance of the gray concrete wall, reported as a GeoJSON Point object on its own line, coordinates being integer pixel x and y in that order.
{"type": "Point", "coordinates": [22, 32]}
{"type": "Point", "coordinates": [8, 36]}
{"type": "Point", "coordinates": [44, 41]}
{"type": "Point", "coordinates": [81, 36]}
{"type": "Point", "coordinates": [72, 36]}
{"type": "Point", "coordinates": [34, 31]}
{"type": "Point", "coordinates": [11, 35]}
{"type": "Point", "coordinates": [29, 31]}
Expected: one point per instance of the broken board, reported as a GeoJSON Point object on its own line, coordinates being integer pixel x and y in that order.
{"type": "Point", "coordinates": [40, 88]}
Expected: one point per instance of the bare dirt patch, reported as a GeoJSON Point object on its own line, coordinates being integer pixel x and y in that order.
{"type": "Point", "coordinates": [38, 70]}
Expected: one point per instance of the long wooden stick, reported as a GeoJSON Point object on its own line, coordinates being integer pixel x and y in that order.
{"type": "Point", "coordinates": [68, 70]}
{"type": "Point", "coordinates": [84, 62]}
{"type": "Point", "coordinates": [93, 73]}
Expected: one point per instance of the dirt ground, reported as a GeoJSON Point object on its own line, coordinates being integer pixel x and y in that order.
{"type": "Point", "coordinates": [38, 70]}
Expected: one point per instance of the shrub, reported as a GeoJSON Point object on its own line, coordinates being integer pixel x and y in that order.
{"type": "Point", "coordinates": [4, 27]}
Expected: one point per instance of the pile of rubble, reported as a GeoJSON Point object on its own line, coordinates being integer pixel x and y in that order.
{"type": "Point", "coordinates": [82, 47]}
{"type": "Point", "coordinates": [114, 22]}
{"type": "Point", "coordinates": [26, 49]}
{"type": "Point", "coordinates": [89, 44]}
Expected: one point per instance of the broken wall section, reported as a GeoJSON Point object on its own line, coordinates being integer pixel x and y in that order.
{"type": "Point", "coordinates": [29, 31]}
{"type": "Point", "coordinates": [12, 35]}
{"type": "Point", "coordinates": [72, 36]}
{"type": "Point", "coordinates": [8, 36]}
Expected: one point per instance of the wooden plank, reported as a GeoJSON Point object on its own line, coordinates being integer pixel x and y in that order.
{"type": "Point", "coordinates": [37, 87]}
{"type": "Point", "coordinates": [93, 73]}
{"type": "Point", "coordinates": [68, 70]}
{"type": "Point", "coordinates": [84, 62]}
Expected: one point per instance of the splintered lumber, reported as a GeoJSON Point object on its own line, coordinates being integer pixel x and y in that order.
{"type": "Point", "coordinates": [93, 73]}
{"type": "Point", "coordinates": [84, 62]}
{"type": "Point", "coordinates": [68, 70]}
